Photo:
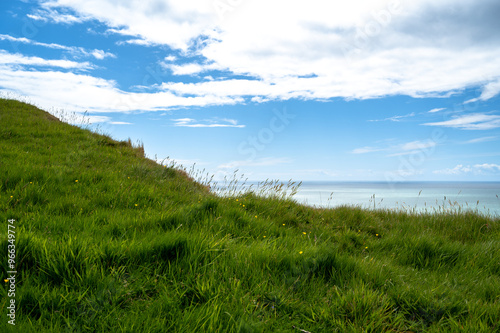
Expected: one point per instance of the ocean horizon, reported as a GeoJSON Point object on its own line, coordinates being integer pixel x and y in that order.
{"type": "Point", "coordinates": [416, 196]}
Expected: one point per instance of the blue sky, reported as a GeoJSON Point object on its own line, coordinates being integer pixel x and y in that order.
{"type": "Point", "coordinates": [316, 90]}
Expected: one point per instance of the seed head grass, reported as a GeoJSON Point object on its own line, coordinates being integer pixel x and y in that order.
{"type": "Point", "coordinates": [108, 240]}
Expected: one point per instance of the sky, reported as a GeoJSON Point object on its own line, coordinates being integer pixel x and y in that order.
{"type": "Point", "coordinates": [305, 90]}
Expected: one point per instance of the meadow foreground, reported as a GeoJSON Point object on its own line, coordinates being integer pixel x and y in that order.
{"type": "Point", "coordinates": [107, 240]}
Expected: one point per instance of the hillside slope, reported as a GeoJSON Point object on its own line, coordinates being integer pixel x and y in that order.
{"type": "Point", "coordinates": [109, 241]}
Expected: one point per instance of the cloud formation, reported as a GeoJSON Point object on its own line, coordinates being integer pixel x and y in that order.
{"type": "Point", "coordinates": [436, 110]}
{"type": "Point", "coordinates": [82, 92]}
{"type": "Point", "coordinates": [475, 169]}
{"type": "Point", "coordinates": [395, 118]}
{"type": "Point", "coordinates": [210, 123]}
{"type": "Point", "coordinates": [319, 49]}
{"type": "Point", "coordinates": [9, 60]}
{"type": "Point", "coordinates": [409, 148]}
{"type": "Point", "coordinates": [76, 51]}
{"type": "Point", "coordinates": [482, 139]}
{"type": "Point", "coordinates": [473, 122]}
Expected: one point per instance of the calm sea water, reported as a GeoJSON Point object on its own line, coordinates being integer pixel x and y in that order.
{"type": "Point", "coordinates": [418, 196]}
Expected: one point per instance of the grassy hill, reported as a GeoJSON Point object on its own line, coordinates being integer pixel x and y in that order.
{"type": "Point", "coordinates": [109, 241]}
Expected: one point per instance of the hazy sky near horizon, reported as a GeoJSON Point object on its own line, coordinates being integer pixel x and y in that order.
{"type": "Point", "coordinates": [304, 90]}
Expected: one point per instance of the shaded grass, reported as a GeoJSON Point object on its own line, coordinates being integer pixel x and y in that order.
{"type": "Point", "coordinates": [108, 241]}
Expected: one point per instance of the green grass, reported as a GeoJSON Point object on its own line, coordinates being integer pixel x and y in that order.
{"type": "Point", "coordinates": [109, 241]}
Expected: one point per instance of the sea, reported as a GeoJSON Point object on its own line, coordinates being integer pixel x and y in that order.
{"type": "Point", "coordinates": [482, 197]}
{"type": "Point", "coordinates": [418, 197]}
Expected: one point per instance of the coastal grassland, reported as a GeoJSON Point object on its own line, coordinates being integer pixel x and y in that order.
{"type": "Point", "coordinates": [109, 241]}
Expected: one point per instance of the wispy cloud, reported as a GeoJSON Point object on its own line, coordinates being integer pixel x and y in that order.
{"type": "Point", "coordinates": [490, 90]}
{"type": "Point", "coordinates": [417, 145]}
{"type": "Point", "coordinates": [50, 13]}
{"type": "Point", "coordinates": [483, 139]}
{"type": "Point", "coordinates": [366, 150]}
{"type": "Point", "coordinates": [408, 148]}
{"type": "Point", "coordinates": [436, 110]}
{"type": "Point", "coordinates": [476, 169]}
{"type": "Point", "coordinates": [189, 122]}
{"type": "Point", "coordinates": [459, 169]}
{"type": "Point", "coordinates": [489, 167]}
{"type": "Point", "coordinates": [395, 118]}
{"type": "Point", "coordinates": [79, 119]}
{"type": "Point", "coordinates": [7, 58]}
{"type": "Point", "coordinates": [478, 121]}
{"type": "Point", "coordinates": [77, 51]}
{"type": "Point", "coordinates": [120, 123]}
{"type": "Point", "coordinates": [136, 41]}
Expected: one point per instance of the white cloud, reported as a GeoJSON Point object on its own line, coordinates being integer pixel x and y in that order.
{"type": "Point", "coordinates": [366, 150]}
{"type": "Point", "coordinates": [119, 123]}
{"type": "Point", "coordinates": [317, 50]}
{"type": "Point", "coordinates": [395, 118]}
{"type": "Point", "coordinates": [55, 17]}
{"type": "Point", "coordinates": [459, 169]}
{"type": "Point", "coordinates": [488, 167]}
{"type": "Point", "coordinates": [141, 42]}
{"type": "Point", "coordinates": [188, 69]}
{"type": "Point", "coordinates": [173, 23]}
{"type": "Point", "coordinates": [408, 148]}
{"type": "Point", "coordinates": [49, 13]}
{"type": "Point", "coordinates": [77, 92]}
{"type": "Point", "coordinates": [211, 123]}
{"type": "Point", "coordinates": [98, 54]}
{"type": "Point", "coordinates": [436, 110]}
{"type": "Point", "coordinates": [18, 59]}
{"type": "Point", "coordinates": [478, 121]}
{"type": "Point", "coordinates": [417, 145]}
{"type": "Point", "coordinates": [475, 169]}
{"type": "Point", "coordinates": [83, 119]}
{"type": "Point", "coordinates": [483, 139]}
{"type": "Point", "coordinates": [360, 49]}
{"type": "Point", "coordinates": [414, 147]}
{"type": "Point", "coordinates": [490, 90]}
